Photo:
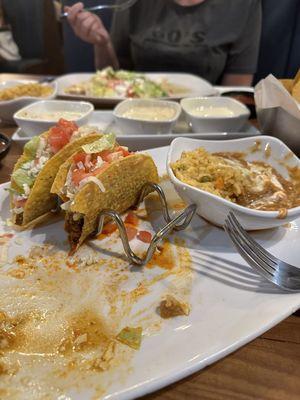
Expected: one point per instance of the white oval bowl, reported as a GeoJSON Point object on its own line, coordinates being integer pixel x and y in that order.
{"type": "Point", "coordinates": [33, 126]}
{"type": "Point", "coordinates": [133, 126]}
{"type": "Point", "coordinates": [214, 208]}
{"type": "Point", "coordinates": [9, 107]}
{"type": "Point", "coordinates": [215, 124]}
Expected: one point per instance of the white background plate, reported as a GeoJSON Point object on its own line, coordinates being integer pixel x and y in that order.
{"type": "Point", "coordinates": [231, 305]}
{"type": "Point", "coordinates": [195, 86]}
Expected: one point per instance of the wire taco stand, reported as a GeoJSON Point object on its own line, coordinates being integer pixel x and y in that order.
{"type": "Point", "coordinates": [178, 223]}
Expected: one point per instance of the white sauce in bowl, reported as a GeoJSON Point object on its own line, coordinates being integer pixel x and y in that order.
{"type": "Point", "coordinates": [211, 112]}
{"type": "Point", "coordinates": [150, 113]}
{"type": "Point", "coordinates": [50, 115]}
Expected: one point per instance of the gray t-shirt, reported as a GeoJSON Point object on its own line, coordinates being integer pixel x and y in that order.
{"type": "Point", "coordinates": [207, 39]}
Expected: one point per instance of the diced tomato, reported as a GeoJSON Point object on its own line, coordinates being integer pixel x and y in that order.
{"type": "Point", "coordinates": [80, 157]}
{"type": "Point", "coordinates": [124, 151]}
{"type": "Point", "coordinates": [131, 219]}
{"type": "Point", "coordinates": [131, 232]}
{"type": "Point", "coordinates": [79, 174]}
{"type": "Point", "coordinates": [60, 134]}
{"type": "Point", "coordinates": [109, 228]}
{"type": "Point", "coordinates": [67, 124]}
{"type": "Point", "coordinates": [57, 139]}
{"type": "Point", "coordinates": [114, 82]}
{"type": "Point", "coordinates": [104, 154]}
{"type": "Point", "coordinates": [20, 203]}
{"type": "Point", "coordinates": [144, 236]}
{"type": "Point", "coordinates": [111, 155]}
{"type": "Point", "coordinates": [130, 92]}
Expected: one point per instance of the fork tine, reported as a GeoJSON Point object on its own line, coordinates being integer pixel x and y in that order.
{"type": "Point", "coordinates": [251, 251]}
{"type": "Point", "coordinates": [265, 254]}
{"type": "Point", "coordinates": [288, 279]}
{"type": "Point", "coordinates": [239, 246]}
{"type": "Point", "coordinates": [274, 263]}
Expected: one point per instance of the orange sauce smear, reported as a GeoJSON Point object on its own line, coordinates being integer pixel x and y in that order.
{"type": "Point", "coordinates": [164, 258]}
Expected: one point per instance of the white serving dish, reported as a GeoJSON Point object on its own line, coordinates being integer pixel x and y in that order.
{"type": "Point", "coordinates": [134, 126]}
{"type": "Point", "coordinates": [222, 285]}
{"type": "Point", "coordinates": [9, 107]}
{"type": "Point", "coordinates": [214, 208]}
{"type": "Point", "coordinates": [215, 124]}
{"type": "Point", "coordinates": [33, 126]}
{"type": "Point", "coordinates": [104, 121]}
{"type": "Point", "coordinates": [195, 86]}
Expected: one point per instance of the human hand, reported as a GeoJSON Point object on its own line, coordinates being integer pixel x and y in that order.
{"type": "Point", "coordinates": [87, 26]}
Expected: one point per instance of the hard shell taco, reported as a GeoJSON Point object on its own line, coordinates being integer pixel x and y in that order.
{"type": "Point", "coordinates": [102, 175]}
{"type": "Point", "coordinates": [35, 171]}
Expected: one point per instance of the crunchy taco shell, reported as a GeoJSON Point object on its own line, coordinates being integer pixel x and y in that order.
{"type": "Point", "coordinates": [296, 78]}
{"type": "Point", "coordinates": [61, 177]}
{"type": "Point", "coordinates": [122, 180]}
{"type": "Point", "coordinates": [287, 83]}
{"type": "Point", "coordinates": [41, 201]}
{"type": "Point", "coordinates": [296, 91]}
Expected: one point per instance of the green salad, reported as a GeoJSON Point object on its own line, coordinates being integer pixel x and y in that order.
{"type": "Point", "coordinates": [121, 83]}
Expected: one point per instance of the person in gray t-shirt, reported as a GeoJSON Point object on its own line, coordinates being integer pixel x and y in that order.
{"type": "Point", "coordinates": [215, 39]}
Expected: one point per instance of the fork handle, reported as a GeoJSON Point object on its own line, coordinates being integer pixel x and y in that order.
{"type": "Point", "coordinates": [91, 9]}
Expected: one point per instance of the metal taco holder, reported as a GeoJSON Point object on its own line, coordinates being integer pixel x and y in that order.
{"type": "Point", "coordinates": [178, 223]}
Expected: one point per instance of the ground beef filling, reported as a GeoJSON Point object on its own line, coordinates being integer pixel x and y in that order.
{"type": "Point", "coordinates": [19, 219]}
{"type": "Point", "coordinates": [74, 229]}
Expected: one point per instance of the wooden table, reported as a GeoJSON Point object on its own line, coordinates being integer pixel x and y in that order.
{"type": "Point", "coordinates": [266, 369]}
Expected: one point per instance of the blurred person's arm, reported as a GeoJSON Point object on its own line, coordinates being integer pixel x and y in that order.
{"type": "Point", "coordinates": [243, 55]}
{"type": "Point", "coordinates": [237, 79]}
{"type": "Point", "coordinates": [89, 27]}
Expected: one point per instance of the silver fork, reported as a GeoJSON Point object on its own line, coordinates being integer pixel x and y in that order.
{"type": "Point", "coordinates": [115, 7]}
{"type": "Point", "coordinates": [280, 273]}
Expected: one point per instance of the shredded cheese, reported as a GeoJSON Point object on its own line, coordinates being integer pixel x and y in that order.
{"type": "Point", "coordinates": [94, 180]}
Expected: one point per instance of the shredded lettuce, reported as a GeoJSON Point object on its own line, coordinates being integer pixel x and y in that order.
{"type": "Point", "coordinates": [11, 191]}
{"type": "Point", "coordinates": [106, 142]}
{"type": "Point", "coordinates": [31, 147]}
{"type": "Point", "coordinates": [21, 177]}
{"type": "Point", "coordinates": [132, 337]}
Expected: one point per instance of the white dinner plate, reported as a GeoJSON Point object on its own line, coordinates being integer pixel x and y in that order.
{"type": "Point", "coordinates": [104, 120]}
{"type": "Point", "coordinates": [224, 89]}
{"type": "Point", "coordinates": [194, 85]}
{"type": "Point", "coordinates": [230, 304]}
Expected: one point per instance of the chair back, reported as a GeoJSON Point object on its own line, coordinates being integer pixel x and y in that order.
{"type": "Point", "coordinates": [37, 34]}
{"type": "Point", "coordinates": [26, 19]}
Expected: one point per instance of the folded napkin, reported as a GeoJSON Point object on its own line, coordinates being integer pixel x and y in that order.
{"type": "Point", "coordinates": [270, 93]}
{"type": "Point", "coordinates": [278, 113]}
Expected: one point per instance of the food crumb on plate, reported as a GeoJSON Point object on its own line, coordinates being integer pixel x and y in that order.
{"type": "Point", "coordinates": [130, 336]}
{"type": "Point", "coordinates": [171, 307]}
